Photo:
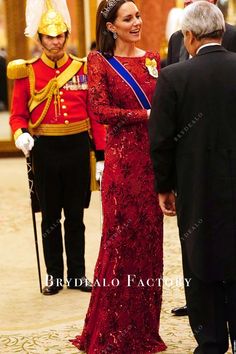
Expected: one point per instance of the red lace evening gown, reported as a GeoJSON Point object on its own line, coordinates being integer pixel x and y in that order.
{"type": "Point", "coordinates": [124, 311]}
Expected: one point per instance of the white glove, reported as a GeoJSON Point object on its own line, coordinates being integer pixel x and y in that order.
{"type": "Point", "coordinates": [25, 142]}
{"type": "Point", "coordinates": [99, 169]}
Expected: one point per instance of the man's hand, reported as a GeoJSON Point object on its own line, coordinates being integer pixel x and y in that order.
{"type": "Point", "coordinates": [25, 142]}
{"type": "Point", "coordinates": [167, 203]}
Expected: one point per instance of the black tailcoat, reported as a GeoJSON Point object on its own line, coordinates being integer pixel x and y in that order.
{"type": "Point", "coordinates": [193, 146]}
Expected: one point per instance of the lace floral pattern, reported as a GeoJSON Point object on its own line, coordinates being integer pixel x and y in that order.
{"type": "Point", "coordinates": [123, 316]}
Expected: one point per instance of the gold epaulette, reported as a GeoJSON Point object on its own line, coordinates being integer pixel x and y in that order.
{"type": "Point", "coordinates": [18, 69]}
{"type": "Point", "coordinates": [83, 60]}
{"type": "Point", "coordinates": [78, 59]}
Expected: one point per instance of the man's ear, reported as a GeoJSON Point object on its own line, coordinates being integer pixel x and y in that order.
{"type": "Point", "coordinates": [192, 42]}
{"type": "Point", "coordinates": [192, 38]}
{"type": "Point", "coordinates": [111, 27]}
{"type": "Point", "coordinates": [189, 37]}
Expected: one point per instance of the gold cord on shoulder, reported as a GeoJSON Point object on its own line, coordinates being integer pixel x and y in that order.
{"type": "Point", "coordinates": [50, 90]}
{"type": "Point", "coordinates": [47, 93]}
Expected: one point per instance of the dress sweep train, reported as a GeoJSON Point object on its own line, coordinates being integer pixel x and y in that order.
{"type": "Point", "coordinates": [124, 311]}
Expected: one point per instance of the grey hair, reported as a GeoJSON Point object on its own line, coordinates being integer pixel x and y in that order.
{"type": "Point", "coordinates": [204, 20]}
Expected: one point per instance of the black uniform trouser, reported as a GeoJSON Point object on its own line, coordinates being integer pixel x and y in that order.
{"type": "Point", "coordinates": [212, 312]}
{"type": "Point", "coordinates": [62, 175]}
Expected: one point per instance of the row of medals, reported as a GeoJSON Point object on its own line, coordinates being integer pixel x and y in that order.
{"type": "Point", "coordinates": [78, 82]}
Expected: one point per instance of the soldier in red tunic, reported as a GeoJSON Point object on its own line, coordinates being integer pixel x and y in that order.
{"type": "Point", "coordinates": [50, 118]}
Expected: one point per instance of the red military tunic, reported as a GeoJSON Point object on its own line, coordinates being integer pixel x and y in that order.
{"type": "Point", "coordinates": [63, 115]}
{"type": "Point", "coordinates": [52, 103]}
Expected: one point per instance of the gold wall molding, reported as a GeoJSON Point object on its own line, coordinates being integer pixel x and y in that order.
{"type": "Point", "coordinates": [93, 10]}
{"type": "Point", "coordinates": [17, 47]}
{"type": "Point", "coordinates": [79, 28]}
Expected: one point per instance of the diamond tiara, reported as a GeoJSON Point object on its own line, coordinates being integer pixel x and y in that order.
{"type": "Point", "coordinates": [109, 7]}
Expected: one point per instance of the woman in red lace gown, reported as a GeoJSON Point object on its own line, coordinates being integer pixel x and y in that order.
{"type": "Point", "coordinates": [124, 311]}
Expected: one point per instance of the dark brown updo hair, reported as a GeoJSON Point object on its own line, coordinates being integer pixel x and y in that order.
{"type": "Point", "coordinates": [104, 38]}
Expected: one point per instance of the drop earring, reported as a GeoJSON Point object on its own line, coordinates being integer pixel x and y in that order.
{"type": "Point", "coordinates": [115, 35]}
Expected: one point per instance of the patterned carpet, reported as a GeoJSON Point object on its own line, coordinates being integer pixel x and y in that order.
{"type": "Point", "coordinates": [35, 324]}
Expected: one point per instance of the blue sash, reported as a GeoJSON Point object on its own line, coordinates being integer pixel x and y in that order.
{"type": "Point", "coordinates": [130, 80]}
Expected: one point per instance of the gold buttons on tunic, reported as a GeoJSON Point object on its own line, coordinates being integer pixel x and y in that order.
{"type": "Point", "coordinates": [61, 93]}
{"type": "Point", "coordinates": [67, 122]}
{"type": "Point", "coordinates": [62, 100]}
{"type": "Point", "coordinates": [64, 106]}
{"type": "Point", "coordinates": [57, 72]}
{"type": "Point", "coordinates": [65, 114]}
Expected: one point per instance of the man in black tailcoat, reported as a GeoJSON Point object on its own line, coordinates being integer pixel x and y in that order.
{"type": "Point", "coordinates": [177, 52]}
{"type": "Point", "coordinates": [193, 146]}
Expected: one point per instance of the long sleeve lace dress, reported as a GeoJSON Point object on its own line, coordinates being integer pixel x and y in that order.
{"type": "Point", "coordinates": [124, 311]}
